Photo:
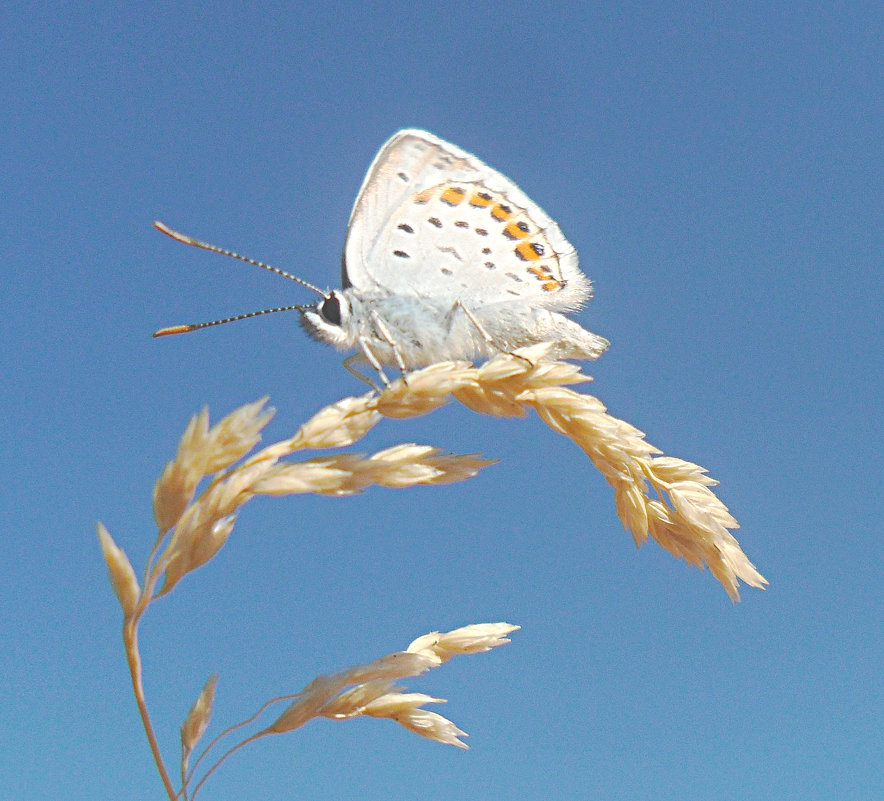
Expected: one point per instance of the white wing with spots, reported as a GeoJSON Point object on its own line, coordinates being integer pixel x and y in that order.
{"type": "Point", "coordinates": [432, 221]}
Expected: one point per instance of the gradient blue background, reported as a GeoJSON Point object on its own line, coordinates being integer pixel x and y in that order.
{"type": "Point", "coordinates": [719, 168]}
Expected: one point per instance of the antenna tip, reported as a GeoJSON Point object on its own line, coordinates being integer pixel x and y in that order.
{"type": "Point", "coordinates": [174, 329]}
{"type": "Point", "coordinates": [163, 228]}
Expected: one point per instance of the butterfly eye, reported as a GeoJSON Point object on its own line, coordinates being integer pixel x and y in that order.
{"type": "Point", "coordinates": [330, 309]}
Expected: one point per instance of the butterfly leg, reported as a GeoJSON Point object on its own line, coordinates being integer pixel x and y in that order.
{"type": "Point", "coordinates": [368, 353]}
{"type": "Point", "coordinates": [373, 360]}
{"type": "Point", "coordinates": [485, 335]}
{"type": "Point", "coordinates": [348, 365]}
{"type": "Point", "coordinates": [384, 331]}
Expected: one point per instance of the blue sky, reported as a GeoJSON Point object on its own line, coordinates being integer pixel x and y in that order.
{"type": "Point", "coordinates": [719, 168]}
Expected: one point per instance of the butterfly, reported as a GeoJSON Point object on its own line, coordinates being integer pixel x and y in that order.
{"type": "Point", "coordinates": [445, 258]}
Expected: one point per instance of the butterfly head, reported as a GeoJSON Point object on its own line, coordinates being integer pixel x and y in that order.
{"type": "Point", "coordinates": [330, 320]}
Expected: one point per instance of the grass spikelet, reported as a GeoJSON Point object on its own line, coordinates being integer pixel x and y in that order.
{"type": "Point", "coordinates": [202, 451]}
{"type": "Point", "coordinates": [197, 720]}
{"type": "Point", "coordinates": [321, 691]}
{"type": "Point", "coordinates": [371, 686]}
{"type": "Point", "coordinates": [338, 425]}
{"type": "Point", "coordinates": [474, 639]}
{"type": "Point", "coordinates": [122, 576]}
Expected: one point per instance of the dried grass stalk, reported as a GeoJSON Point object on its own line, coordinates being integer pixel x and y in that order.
{"type": "Point", "coordinates": [372, 691]}
{"type": "Point", "coordinates": [345, 474]}
{"type": "Point", "coordinates": [202, 451]}
{"type": "Point", "coordinates": [199, 528]}
{"type": "Point", "coordinates": [664, 497]}
{"type": "Point", "coordinates": [193, 528]}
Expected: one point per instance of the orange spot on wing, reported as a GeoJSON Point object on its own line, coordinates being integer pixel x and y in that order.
{"type": "Point", "coordinates": [526, 252]}
{"type": "Point", "coordinates": [424, 197]}
{"type": "Point", "coordinates": [551, 286]}
{"type": "Point", "coordinates": [513, 231]}
{"type": "Point", "coordinates": [501, 212]}
{"type": "Point", "coordinates": [453, 195]}
{"type": "Point", "coordinates": [481, 199]}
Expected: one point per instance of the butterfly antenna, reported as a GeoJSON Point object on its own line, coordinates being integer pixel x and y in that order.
{"type": "Point", "coordinates": [183, 329]}
{"type": "Point", "coordinates": [189, 240]}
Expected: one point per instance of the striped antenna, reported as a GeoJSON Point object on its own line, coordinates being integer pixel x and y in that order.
{"type": "Point", "coordinates": [189, 240]}
{"type": "Point", "coordinates": [183, 329]}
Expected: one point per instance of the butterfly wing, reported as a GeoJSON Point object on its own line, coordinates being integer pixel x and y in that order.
{"type": "Point", "coordinates": [434, 221]}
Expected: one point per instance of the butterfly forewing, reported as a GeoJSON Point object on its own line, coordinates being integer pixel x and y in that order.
{"type": "Point", "coordinates": [408, 162]}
